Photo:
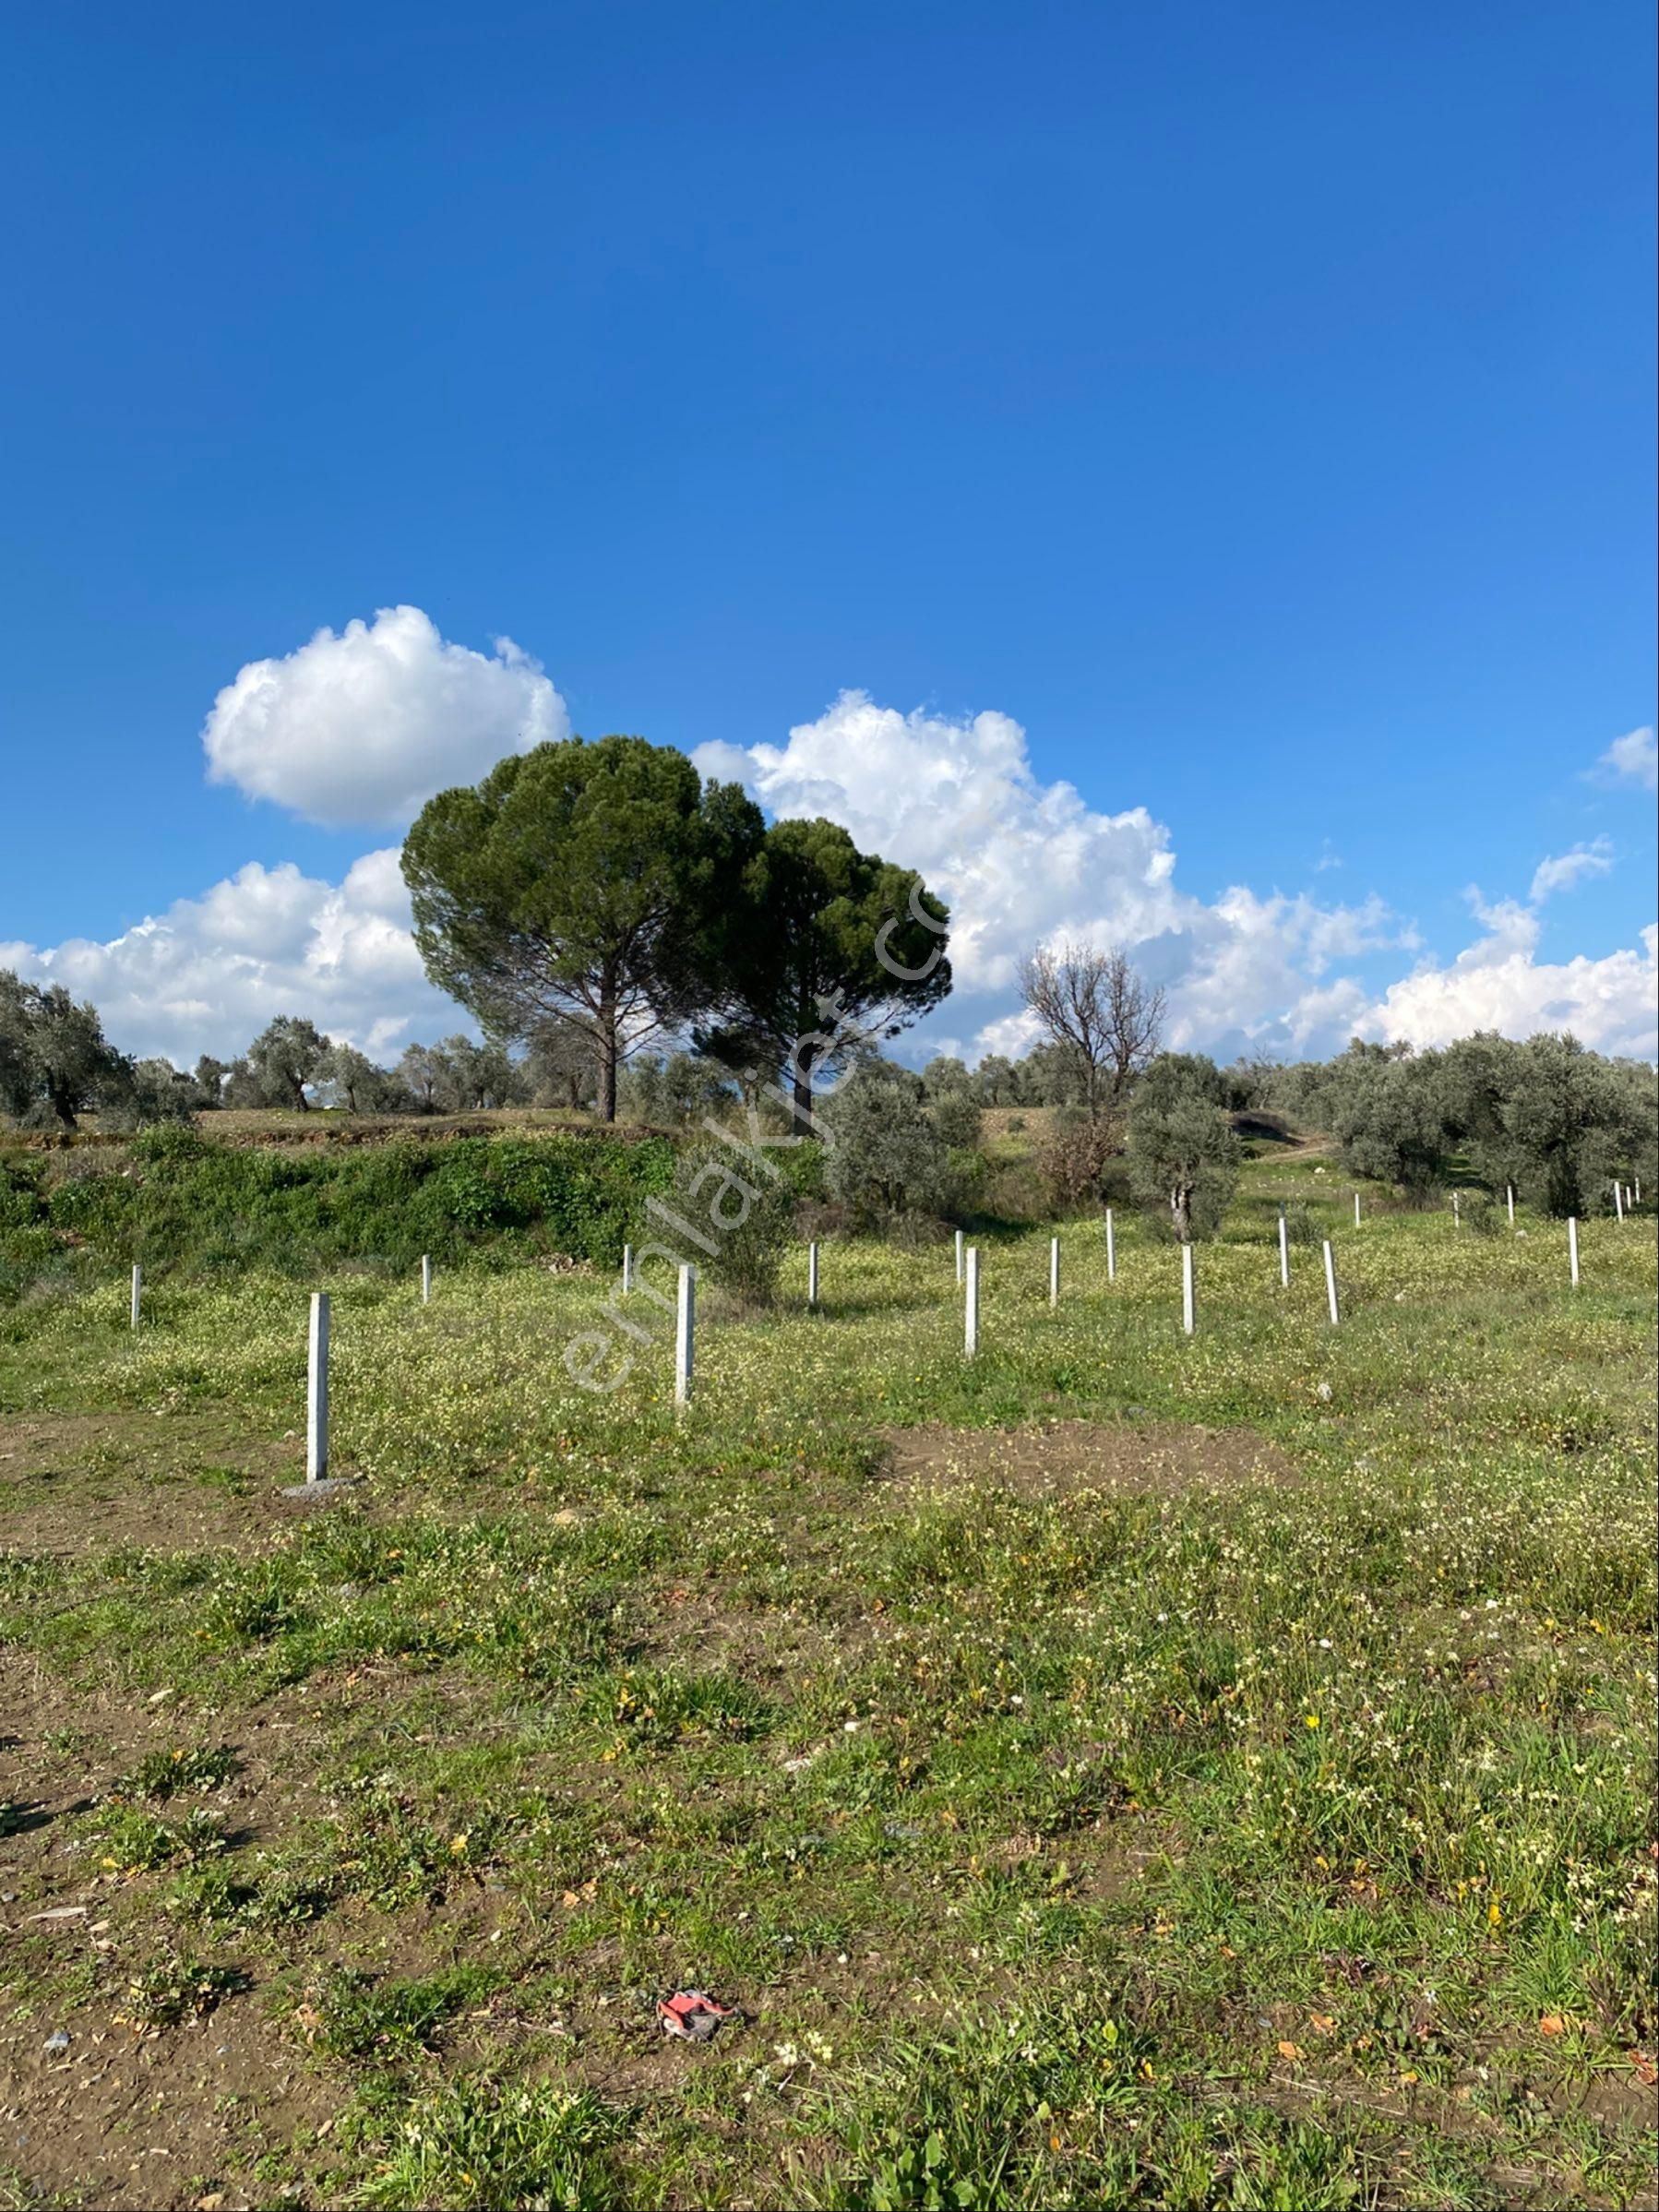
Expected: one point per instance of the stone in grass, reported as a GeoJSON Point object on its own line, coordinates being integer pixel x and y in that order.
{"type": "Point", "coordinates": [58, 2041]}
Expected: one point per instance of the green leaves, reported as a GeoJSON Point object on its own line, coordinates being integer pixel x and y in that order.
{"type": "Point", "coordinates": [577, 882]}
{"type": "Point", "coordinates": [1183, 1154]}
{"type": "Point", "coordinates": [199, 1205]}
{"type": "Point", "coordinates": [826, 933]}
{"type": "Point", "coordinates": [55, 1058]}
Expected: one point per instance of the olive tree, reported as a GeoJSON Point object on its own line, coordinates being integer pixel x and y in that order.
{"type": "Point", "coordinates": [1389, 1115]}
{"type": "Point", "coordinates": [1560, 1107]}
{"type": "Point", "coordinates": [1183, 1154]}
{"type": "Point", "coordinates": [353, 1081]}
{"type": "Point", "coordinates": [55, 1061]}
{"type": "Point", "coordinates": [558, 1067]}
{"type": "Point", "coordinates": [285, 1059]}
{"type": "Point", "coordinates": [887, 1156]}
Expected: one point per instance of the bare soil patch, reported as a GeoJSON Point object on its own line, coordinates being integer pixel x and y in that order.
{"type": "Point", "coordinates": [116, 2122]}
{"type": "Point", "coordinates": [64, 1746]}
{"type": "Point", "coordinates": [113, 2118]}
{"type": "Point", "coordinates": [1150, 1458]}
{"type": "Point", "coordinates": [75, 1484]}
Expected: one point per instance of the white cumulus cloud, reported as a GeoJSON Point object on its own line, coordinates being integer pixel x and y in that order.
{"type": "Point", "coordinates": [365, 725]}
{"type": "Point", "coordinates": [1563, 870]}
{"type": "Point", "coordinates": [1611, 1003]}
{"type": "Point", "coordinates": [208, 974]}
{"type": "Point", "coordinates": [1021, 862]}
{"type": "Point", "coordinates": [1634, 759]}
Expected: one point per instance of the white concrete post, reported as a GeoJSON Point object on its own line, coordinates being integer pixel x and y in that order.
{"type": "Point", "coordinates": [137, 1291]}
{"type": "Point", "coordinates": [971, 1300]}
{"type": "Point", "coordinates": [812, 1276]}
{"type": "Point", "coordinates": [1619, 1202]}
{"type": "Point", "coordinates": [627, 1269]}
{"type": "Point", "coordinates": [958, 1256]}
{"type": "Point", "coordinates": [1111, 1249]}
{"type": "Point", "coordinates": [426, 1278]}
{"type": "Point", "coordinates": [1356, 1208]}
{"type": "Point", "coordinates": [1456, 1209]}
{"type": "Point", "coordinates": [1053, 1271]}
{"type": "Point", "coordinates": [1283, 1252]}
{"type": "Point", "coordinates": [1639, 1191]}
{"type": "Point", "coordinates": [1188, 1314]}
{"type": "Point", "coordinates": [1509, 1192]}
{"type": "Point", "coordinates": [1572, 1249]}
{"type": "Point", "coordinates": [1330, 1285]}
{"type": "Point", "coordinates": [685, 1333]}
{"type": "Point", "coordinates": [316, 1391]}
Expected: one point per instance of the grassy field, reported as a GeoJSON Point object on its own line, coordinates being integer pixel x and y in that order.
{"type": "Point", "coordinates": [1130, 1770]}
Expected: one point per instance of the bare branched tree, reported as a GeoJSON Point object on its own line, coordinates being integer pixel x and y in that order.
{"type": "Point", "coordinates": [1095, 1003]}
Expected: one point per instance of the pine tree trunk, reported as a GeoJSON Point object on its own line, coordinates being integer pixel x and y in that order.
{"type": "Point", "coordinates": [803, 1100]}
{"type": "Point", "coordinates": [609, 1054]}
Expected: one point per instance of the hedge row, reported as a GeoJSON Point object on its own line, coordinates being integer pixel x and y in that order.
{"type": "Point", "coordinates": [175, 1200]}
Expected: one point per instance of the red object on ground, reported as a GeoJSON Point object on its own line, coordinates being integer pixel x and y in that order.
{"type": "Point", "coordinates": [691, 2014]}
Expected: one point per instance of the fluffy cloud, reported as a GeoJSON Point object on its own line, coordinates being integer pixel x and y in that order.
{"type": "Point", "coordinates": [1634, 759]}
{"type": "Point", "coordinates": [208, 974]}
{"type": "Point", "coordinates": [1020, 861]}
{"type": "Point", "coordinates": [366, 726]}
{"type": "Point", "coordinates": [1566, 870]}
{"type": "Point", "coordinates": [1611, 1003]}
{"type": "Point", "coordinates": [957, 799]}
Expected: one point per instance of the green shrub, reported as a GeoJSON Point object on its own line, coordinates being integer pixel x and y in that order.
{"type": "Point", "coordinates": [888, 1158]}
{"type": "Point", "coordinates": [956, 1117]}
{"type": "Point", "coordinates": [1480, 1213]}
{"type": "Point", "coordinates": [748, 1215]}
{"type": "Point", "coordinates": [801, 1167]}
{"type": "Point", "coordinates": [173, 1199]}
{"type": "Point", "coordinates": [161, 1774]}
{"type": "Point", "coordinates": [132, 1842]}
{"type": "Point", "coordinates": [26, 1255]}
{"type": "Point", "coordinates": [169, 1143]}
{"type": "Point", "coordinates": [97, 1208]}
{"type": "Point", "coordinates": [1302, 1225]}
{"type": "Point", "coordinates": [22, 1204]}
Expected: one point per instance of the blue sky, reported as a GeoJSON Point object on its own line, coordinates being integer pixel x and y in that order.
{"type": "Point", "coordinates": [1253, 405]}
